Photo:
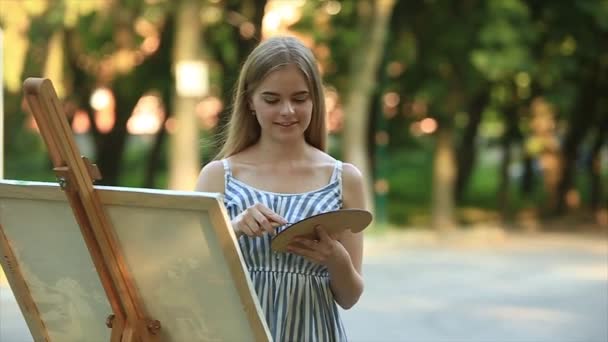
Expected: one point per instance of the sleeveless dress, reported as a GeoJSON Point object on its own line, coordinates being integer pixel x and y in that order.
{"type": "Point", "coordinates": [293, 292]}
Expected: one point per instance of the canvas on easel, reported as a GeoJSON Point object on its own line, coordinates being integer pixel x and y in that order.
{"type": "Point", "coordinates": [177, 246]}
{"type": "Point", "coordinates": [48, 267]}
{"type": "Point", "coordinates": [109, 263]}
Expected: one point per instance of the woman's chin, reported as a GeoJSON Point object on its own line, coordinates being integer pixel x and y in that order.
{"type": "Point", "coordinates": [289, 137]}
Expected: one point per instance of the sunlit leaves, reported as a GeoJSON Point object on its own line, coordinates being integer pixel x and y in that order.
{"type": "Point", "coordinates": [74, 9]}
{"type": "Point", "coordinates": [35, 8]}
{"type": "Point", "coordinates": [15, 21]}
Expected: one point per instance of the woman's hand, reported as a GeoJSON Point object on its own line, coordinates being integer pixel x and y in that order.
{"type": "Point", "coordinates": [326, 251]}
{"type": "Point", "coordinates": [257, 220]}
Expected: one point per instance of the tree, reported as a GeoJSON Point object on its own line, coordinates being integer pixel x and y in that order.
{"type": "Point", "coordinates": [375, 16]}
{"type": "Point", "coordinates": [115, 66]}
{"type": "Point", "coordinates": [230, 41]}
{"type": "Point", "coordinates": [571, 76]}
{"type": "Point", "coordinates": [184, 159]}
{"type": "Point", "coordinates": [460, 68]}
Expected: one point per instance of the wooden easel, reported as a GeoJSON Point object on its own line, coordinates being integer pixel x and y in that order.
{"type": "Point", "coordinates": [129, 321]}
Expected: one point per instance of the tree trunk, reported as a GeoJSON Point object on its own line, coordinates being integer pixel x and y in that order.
{"type": "Point", "coordinates": [503, 186]}
{"type": "Point", "coordinates": [153, 163]}
{"type": "Point", "coordinates": [444, 173]}
{"type": "Point", "coordinates": [378, 136]}
{"type": "Point", "coordinates": [252, 10]}
{"type": "Point", "coordinates": [577, 130]}
{"type": "Point", "coordinates": [467, 152]}
{"type": "Point", "coordinates": [111, 149]}
{"type": "Point", "coordinates": [594, 168]}
{"type": "Point", "coordinates": [184, 160]}
{"type": "Point", "coordinates": [511, 133]}
{"type": "Point", "coordinates": [527, 178]}
{"type": "Point", "coordinates": [364, 70]}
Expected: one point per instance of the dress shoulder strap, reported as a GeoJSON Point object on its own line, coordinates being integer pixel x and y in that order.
{"type": "Point", "coordinates": [337, 173]}
{"type": "Point", "coordinates": [227, 170]}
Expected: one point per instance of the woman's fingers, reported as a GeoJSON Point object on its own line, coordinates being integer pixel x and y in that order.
{"type": "Point", "coordinates": [305, 252]}
{"type": "Point", "coordinates": [319, 251]}
{"type": "Point", "coordinates": [263, 222]}
{"type": "Point", "coordinates": [253, 226]}
{"type": "Point", "coordinates": [271, 215]}
{"type": "Point", "coordinates": [322, 233]}
{"type": "Point", "coordinates": [310, 244]}
{"type": "Point", "coordinates": [259, 219]}
{"type": "Point", "coordinates": [244, 229]}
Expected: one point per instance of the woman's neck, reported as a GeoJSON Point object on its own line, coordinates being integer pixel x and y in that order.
{"type": "Point", "coordinates": [285, 152]}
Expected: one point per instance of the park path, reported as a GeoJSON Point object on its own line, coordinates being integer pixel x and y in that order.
{"type": "Point", "coordinates": [483, 285]}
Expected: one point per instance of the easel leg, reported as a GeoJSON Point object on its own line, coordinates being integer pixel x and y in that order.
{"type": "Point", "coordinates": [117, 330]}
{"type": "Point", "coordinates": [128, 335]}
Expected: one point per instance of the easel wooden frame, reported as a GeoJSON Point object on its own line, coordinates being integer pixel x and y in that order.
{"type": "Point", "coordinates": [129, 321]}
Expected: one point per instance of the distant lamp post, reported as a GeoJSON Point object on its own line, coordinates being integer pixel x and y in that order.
{"type": "Point", "coordinates": [192, 78]}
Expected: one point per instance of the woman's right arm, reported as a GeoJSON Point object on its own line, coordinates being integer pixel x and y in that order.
{"type": "Point", "coordinates": [211, 178]}
{"type": "Point", "coordinates": [253, 221]}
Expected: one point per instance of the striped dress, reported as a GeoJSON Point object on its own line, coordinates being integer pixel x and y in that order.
{"type": "Point", "coordinates": [293, 292]}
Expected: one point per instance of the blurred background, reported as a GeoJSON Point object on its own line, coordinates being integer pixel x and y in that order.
{"type": "Point", "coordinates": [480, 126]}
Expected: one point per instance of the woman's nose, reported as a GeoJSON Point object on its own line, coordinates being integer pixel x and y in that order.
{"type": "Point", "coordinates": [287, 108]}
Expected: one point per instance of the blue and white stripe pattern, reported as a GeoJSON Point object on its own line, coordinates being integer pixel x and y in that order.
{"type": "Point", "coordinates": [294, 293]}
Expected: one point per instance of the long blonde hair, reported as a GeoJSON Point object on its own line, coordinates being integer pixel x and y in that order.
{"type": "Point", "coordinates": [243, 129]}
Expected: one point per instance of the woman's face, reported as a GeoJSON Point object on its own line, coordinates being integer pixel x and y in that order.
{"type": "Point", "coordinates": [283, 104]}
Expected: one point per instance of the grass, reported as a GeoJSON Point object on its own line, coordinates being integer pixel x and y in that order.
{"type": "Point", "coordinates": [410, 196]}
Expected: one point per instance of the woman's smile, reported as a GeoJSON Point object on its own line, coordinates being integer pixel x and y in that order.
{"type": "Point", "coordinates": [287, 124]}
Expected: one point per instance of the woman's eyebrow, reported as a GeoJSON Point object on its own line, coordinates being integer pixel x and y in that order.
{"type": "Point", "coordinates": [270, 93]}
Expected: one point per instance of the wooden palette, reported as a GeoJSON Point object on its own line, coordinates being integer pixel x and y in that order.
{"type": "Point", "coordinates": [334, 222]}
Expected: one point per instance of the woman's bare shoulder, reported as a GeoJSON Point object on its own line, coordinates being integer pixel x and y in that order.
{"type": "Point", "coordinates": [211, 177]}
{"type": "Point", "coordinates": [353, 187]}
{"type": "Point", "coordinates": [351, 173]}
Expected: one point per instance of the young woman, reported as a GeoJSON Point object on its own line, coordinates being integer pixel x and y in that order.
{"type": "Point", "coordinates": [272, 170]}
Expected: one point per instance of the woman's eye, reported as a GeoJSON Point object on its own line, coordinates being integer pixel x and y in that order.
{"type": "Point", "coordinates": [301, 99]}
{"type": "Point", "coordinates": [271, 101]}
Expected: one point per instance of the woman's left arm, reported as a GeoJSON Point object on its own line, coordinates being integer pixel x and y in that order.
{"type": "Point", "coordinates": [342, 255]}
{"type": "Point", "coordinates": [346, 278]}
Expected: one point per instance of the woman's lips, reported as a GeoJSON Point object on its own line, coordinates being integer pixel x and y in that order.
{"type": "Point", "coordinates": [286, 124]}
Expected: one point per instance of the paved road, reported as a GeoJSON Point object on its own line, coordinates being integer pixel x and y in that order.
{"type": "Point", "coordinates": [483, 287]}
{"type": "Point", "coordinates": [467, 287]}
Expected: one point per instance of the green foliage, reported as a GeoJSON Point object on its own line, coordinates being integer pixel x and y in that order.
{"type": "Point", "coordinates": [26, 156]}
{"type": "Point", "coordinates": [410, 178]}
{"type": "Point", "coordinates": [450, 53]}
{"type": "Point", "coordinates": [598, 10]}
{"type": "Point", "coordinates": [505, 38]}
{"type": "Point", "coordinates": [340, 33]}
